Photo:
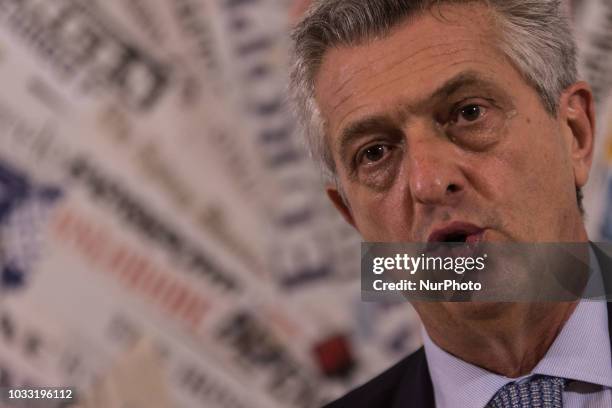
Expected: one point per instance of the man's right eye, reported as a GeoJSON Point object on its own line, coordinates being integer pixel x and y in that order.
{"type": "Point", "coordinates": [372, 154]}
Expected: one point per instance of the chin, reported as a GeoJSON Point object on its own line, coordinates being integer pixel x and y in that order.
{"type": "Point", "coordinates": [479, 311]}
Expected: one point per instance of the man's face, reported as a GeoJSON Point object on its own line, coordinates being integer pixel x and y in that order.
{"type": "Point", "coordinates": [437, 136]}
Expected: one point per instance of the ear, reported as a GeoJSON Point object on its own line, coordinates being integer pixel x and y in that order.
{"type": "Point", "coordinates": [577, 111]}
{"type": "Point", "coordinates": [341, 205]}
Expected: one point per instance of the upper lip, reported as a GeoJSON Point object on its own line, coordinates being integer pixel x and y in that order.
{"type": "Point", "coordinates": [452, 230]}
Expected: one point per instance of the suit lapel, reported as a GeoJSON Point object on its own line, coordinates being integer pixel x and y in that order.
{"type": "Point", "coordinates": [415, 388]}
{"type": "Point", "coordinates": [605, 264]}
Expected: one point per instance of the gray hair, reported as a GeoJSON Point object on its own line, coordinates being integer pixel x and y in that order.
{"type": "Point", "coordinates": [534, 34]}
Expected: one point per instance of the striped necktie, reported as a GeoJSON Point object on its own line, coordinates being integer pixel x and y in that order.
{"type": "Point", "coordinates": [536, 392]}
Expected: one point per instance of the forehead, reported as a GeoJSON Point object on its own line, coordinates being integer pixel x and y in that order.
{"type": "Point", "coordinates": [389, 73]}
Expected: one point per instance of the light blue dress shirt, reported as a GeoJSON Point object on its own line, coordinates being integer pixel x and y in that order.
{"type": "Point", "coordinates": [580, 353]}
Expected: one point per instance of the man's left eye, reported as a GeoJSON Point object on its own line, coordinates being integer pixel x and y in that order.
{"type": "Point", "coordinates": [470, 113]}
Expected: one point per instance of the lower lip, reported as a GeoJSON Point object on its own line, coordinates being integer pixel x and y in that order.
{"type": "Point", "coordinates": [470, 247]}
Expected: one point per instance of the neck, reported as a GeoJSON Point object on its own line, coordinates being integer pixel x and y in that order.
{"type": "Point", "coordinates": [511, 345]}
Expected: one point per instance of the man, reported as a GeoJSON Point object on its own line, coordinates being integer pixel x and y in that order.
{"type": "Point", "coordinates": [442, 119]}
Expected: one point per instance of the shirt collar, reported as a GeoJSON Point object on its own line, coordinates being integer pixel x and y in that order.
{"type": "Point", "coordinates": [580, 352]}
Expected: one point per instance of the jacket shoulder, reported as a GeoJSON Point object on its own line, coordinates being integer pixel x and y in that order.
{"type": "Point", "coordinates": [382, 390]}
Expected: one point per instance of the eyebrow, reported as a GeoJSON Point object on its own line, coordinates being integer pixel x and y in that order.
{"type": "Point", "coordinates": [380, 123]}
{"type": "Point", "coordinates": [364, 127]}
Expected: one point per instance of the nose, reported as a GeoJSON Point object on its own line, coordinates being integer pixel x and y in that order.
{"type": "Point", "coordinates": [435, 176]}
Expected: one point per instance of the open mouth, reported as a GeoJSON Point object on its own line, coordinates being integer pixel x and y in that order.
{"type": "Point", "coordinates": [457, 233]}
{"type": "Point", "coordinates": [455, 239]}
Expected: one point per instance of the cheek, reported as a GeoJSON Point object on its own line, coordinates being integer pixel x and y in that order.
{"type": "Point", "coordinates": [548, 168]}
{"type": "Point", "coordinates": [380, 217]}
{"type": "Point", "coordinates": [531, 178]}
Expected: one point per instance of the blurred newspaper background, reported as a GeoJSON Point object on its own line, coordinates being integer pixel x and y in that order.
{"type": "Point", "coordinates": [161, 227]}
